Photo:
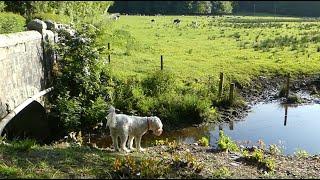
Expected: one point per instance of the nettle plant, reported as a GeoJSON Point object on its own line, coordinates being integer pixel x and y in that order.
{"type": "Point", "coordinates": [83, 83]}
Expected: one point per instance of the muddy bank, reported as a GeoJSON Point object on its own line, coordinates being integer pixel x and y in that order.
{"type": "Point", "coordinates": [267, 89]}
{"type": "Point", "coordinates": [194, 161]}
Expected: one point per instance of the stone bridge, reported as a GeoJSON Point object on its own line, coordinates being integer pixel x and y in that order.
{"type": "Point", "coordinates": [25, 70]}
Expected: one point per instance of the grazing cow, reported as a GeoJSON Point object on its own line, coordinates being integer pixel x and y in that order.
{"type": "Point", "coordinates": [176, 21]}
{"type": "Point", "coordinates": [115, 16]}
{"type": "Point", "coordinates": [152, 20]}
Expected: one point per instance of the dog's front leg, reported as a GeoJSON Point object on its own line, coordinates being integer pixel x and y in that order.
{"type": "Point", "coordinates": [130, 142]}
{"type": "Point", "coordinates": [115, 142]}
{"type": "Point", "coordinates": [124, 139]}
{"type": "Point", "coordinates": [138, 143]}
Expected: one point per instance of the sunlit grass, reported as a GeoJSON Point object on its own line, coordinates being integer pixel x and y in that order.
{"type": "Point", "coordinates": [214, 46]}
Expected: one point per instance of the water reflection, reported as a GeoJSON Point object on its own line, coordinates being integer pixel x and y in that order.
{"type": "Point", "coordinates": [263, 123]}
{"type": "Point", "coordinates": [285, 115]}
{"type": "Point", "coordinates": [266, 122]}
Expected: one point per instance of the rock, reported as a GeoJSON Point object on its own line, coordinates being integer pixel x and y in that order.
{"type": "Point", "coordinates": [51, 25]}
{"type": "Point", "coordinates": [196, 144]}
{"type": "Point", "coordinates": [234, 164]}
{"type": "Point", "coordinates": [37, 25]}
{"type": "Point", "coordinates": [2, 110]}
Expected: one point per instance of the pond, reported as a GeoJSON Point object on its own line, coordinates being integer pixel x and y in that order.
{"type": "Point", "coordinates": [290, 127]}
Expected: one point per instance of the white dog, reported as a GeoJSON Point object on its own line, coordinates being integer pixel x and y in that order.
{"type": "Point", "coordinates": [131, 127]}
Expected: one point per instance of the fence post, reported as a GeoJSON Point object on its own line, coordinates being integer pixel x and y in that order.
{"type": "Point", "coordinates": [161, 58]}
{"type": "Point", "coordinates": [231, 93]}
{"type": "Point", "coordinates": [288, 85]}
{"type": "Point", "coordinates": [220, 85]}
{"type": "Point", "coordinates": [109, 56]}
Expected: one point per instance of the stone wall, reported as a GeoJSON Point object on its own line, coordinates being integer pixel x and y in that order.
{"type": "Point", "coordinates": [24, 67]}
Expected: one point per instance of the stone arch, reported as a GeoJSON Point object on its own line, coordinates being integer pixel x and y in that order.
{"type": "Point", "coordinates": [31, 122]}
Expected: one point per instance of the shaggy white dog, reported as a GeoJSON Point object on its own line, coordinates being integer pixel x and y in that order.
{"type": "Point", "coordinates": [131, 128]}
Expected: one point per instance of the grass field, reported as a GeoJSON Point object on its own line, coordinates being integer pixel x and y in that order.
{"type": "Point", "coordinates": [240, 46]}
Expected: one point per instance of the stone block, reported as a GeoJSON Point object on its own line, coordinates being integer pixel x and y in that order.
{"type": "Point", "coordinates": [37, 25]}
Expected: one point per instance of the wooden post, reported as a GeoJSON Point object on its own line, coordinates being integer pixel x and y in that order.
{"type": "Point", "coordinates": [231, 93]}
{"type": "Point", "coordinates": [288, 85]}
{"type": "Point", "coordinates": [220, 85]}
{"type": "Point", "coordinates": [109, 56]}
{"type": "Point", "coordinates": [285, 115]}
{"type": "Point", "coordinates": [161, 62]}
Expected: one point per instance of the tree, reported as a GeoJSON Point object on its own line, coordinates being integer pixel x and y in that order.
{"type": "Point", "coordinates": [202, 7]}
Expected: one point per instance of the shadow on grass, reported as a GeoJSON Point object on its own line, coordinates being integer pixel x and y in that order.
{"type": "Point", "coordinates": [49, 162]}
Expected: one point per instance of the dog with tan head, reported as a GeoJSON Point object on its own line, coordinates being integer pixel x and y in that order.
{"type": "Point", "coordinates": [130, 128]}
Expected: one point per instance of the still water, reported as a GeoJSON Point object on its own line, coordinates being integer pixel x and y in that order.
{"type": "Point", "coordinates": [290, 127]}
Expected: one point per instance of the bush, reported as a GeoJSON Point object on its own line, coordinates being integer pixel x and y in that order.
{"type": "Point", "coordinates": [2, 6]}
{"type": "Point", "coordinates": [129, 94]}
{"type": "Point", "coordinates": [159, 82]}
{"type": "Point", "coordinates": [53, 17]}
{"type": "Point", "coordinates": [177, 110]}
{"type": "Point", "coordinates": [11, 23]}
{"type": "Point", "coordinates": [83, 86]}
{"type": "Point", "coordinates": [225, 143]}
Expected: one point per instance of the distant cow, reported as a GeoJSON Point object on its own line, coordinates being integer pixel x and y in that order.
{"type": "Point", "coordinates": [115, 16]}
{"type": "Point", "coordinates": [176, 21]}
{"type": "Point", "coordinates": [152, 20]}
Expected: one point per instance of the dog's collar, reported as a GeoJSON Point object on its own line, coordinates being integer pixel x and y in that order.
{"type": "Point", "coordinates": [148, 121]}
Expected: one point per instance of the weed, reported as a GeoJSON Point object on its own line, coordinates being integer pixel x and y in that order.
{"type": "Point", "coordinates": [275, 150]}
{"type": "Point", "coordinates": [225, 143]}
{"type": "Point", "coordinates": [222, 172]}
{"type": "Point", "coordinates": [300, 153]}
{"type": "Point", "coordinates": [204, 141]}
{"type": "Point", "coordinates": [23, 145]}
{"type": "Point", "coordinates": [8, 172]}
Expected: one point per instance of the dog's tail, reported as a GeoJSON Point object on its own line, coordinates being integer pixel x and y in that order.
{"type": "Point", "coordinates": [111, 118]}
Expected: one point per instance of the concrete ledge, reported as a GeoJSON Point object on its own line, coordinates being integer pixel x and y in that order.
{"type": "Point", "coordinates": [13, 39]}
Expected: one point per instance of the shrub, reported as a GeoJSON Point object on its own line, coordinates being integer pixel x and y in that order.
{"type": "Point", "coordinates": [129, 94]}
{"type": "Point", "coordinates": [11, 23]}
{"type": "Point", "coordinates": [157, 83]}
{"type": "Point", "coordinates": [59, 18]}
{"type": "Point", "coordinates": [83, 88]}
{"type": "Point", "coordinates": [2, 6]}
{"type": "Point", "coordinates": [183, 110]}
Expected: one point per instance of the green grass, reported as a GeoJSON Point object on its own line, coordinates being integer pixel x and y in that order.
{"type": "Point", "coordinates": [242, 47]}
{"type": "Point", "coordinates": [52, 162]}
{"type": "Point", "coordinates": [215, 46]}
